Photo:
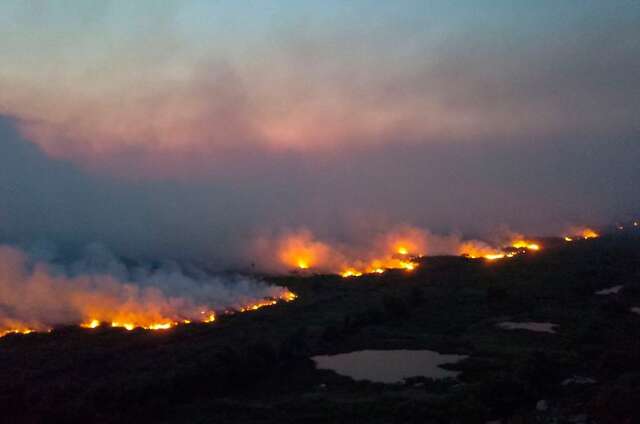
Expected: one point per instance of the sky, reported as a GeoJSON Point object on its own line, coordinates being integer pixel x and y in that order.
{"type": "Point", "coordinates": [186, 129]}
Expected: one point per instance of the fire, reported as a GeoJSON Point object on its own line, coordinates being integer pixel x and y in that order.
{"type": "Point", "coordinates": [161, 326]}
{"type": "Point", "coordinates": [379, 266]}
{"type": "Point", "coordinates": [37, 296]}
{"type": "Point", "coordinates": [258, 305]}
{"type": "Point", "coordinates": [207, 317]}
{"type": "Point", "coordinates": [402, 251]}
{"type": "Point", "coordinates": [480, 250]}
{"type": "Point", "coordinates": [299, 250]}
{"type": "Point", "coordinates": [525, 244]}
{"type": "Point", "coordinates": [409, 266]}
{"type": "Point", "coordinates": [16, 331]}
{"type": "Point", "coordinates": [494, 256]}
{"type": "Point", "coordinates": [476, 250]}
{"type": "Point", "coordinates": [289, 296]}
{"type": "Point", "coordinates": [584, 233]}
{"type": "Point", "coordinates": [126, 325]}
{"type": "Point", "coordinates": [350, 273]}
{"type": "Point", "coordinates": [94, 323]}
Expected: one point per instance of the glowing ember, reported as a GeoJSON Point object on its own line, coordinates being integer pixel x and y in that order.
{"type": "Point", "coordinates": [161, 326]}
{"type": "Point", "coordinates": [350, 273]}
{"type": "Point", "coordinates": [524, 244]}
{"type": "Point", "coordinates": [568, 239]}
{"type": "Point", "coordinates": [289, 296]}
{"type": "Point", "coordinates": [126, 325]}
{"type": "Point", "coordinates": [299, 250]}
{"type": "Point", "coordinates": [494, 256]}
{"type": "Point", "coordinates": [257, 306]}
{"type": "Point", "coordinates": [408, 266]}
{"type": "Point", "coordinates": [16, 331]}
{"type": "Point", "coordinates": [208, 317]}
{"type": "Point", "coordinates": [93, 300]}
{"type": "Point", "coordinates": [589, 234]}
{"type": "Point", "coordinates": [91, 324]}
{"type": "Point", "coordinates": [211, 317]}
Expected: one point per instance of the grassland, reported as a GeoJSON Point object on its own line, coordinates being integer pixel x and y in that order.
{"type": "Point", "coordinates": [254, 367]}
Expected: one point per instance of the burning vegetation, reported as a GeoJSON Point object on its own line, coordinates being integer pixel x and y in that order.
{"type": "Point", "coordinates": [581, 233]}
{"type": "Point", "coordinates": [399, 249]}
{"type": "Point", "coordinates": [37, 296]}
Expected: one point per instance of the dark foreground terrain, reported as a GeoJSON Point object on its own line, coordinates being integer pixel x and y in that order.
{"type": "Point", "coordinates": [254, 367]}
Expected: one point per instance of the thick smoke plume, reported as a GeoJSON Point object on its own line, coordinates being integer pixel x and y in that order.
{"type": "Point", "coordinates": [37, 294]}
{"type": "Point", "coordinates": [393, 248]}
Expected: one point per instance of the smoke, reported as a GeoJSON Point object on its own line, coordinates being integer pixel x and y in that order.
{"type": "Point", "coordinates": [301, 250]}
{"type": "Point", "coordinates": [159, 145]}
{"type": "Point", "coordinates": [38, 294]}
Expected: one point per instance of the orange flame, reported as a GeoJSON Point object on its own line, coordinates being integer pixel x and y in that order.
{"type": "Point", "coordinates": [525, 244]}
{"type": "Point", "coordinates": [141, 323]}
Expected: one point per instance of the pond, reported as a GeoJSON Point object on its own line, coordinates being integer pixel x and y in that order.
{"type": "Point", "coordinates": [541, 327]}
{"type": "Point", "coordinates": [610, 290]}
{"type": "Point", "coordinates": [389, 366]}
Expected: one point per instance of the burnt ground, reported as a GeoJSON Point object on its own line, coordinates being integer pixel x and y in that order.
{"type": "Point", "coordinates": [254, 367]}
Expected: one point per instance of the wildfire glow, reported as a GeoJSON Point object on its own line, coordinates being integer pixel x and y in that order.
{"type": "Point", "coordinates": [208, 317]}
{"type": "Point", "coordinates": [94, 323]}
{"type": "Point", "coordinates": [16, 331]}
{"type": "Point", "coordinates": [494, 256]}
{"type": "Point", "coordinates": [300, 251]}
{"type": "Point", "coordinates": [589, 234]}
{"type": "Point", "coordinates": [524, 244]}
{"type": "Point", "coordinates": [583, 233]}
{"type": "Point", "coordinates": [396, 249]}
{"type": "Point", "coordinates": [409, 266]}
{"type": "Point", "coordinates": [350, 273]}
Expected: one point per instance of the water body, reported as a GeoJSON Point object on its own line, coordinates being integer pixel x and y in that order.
{"type": "Point", "coordinates": [389, 366]}
{"type": "Point", "coordinates": [610, 290]}
{"type": "Point", "coordinates": [541, 327]}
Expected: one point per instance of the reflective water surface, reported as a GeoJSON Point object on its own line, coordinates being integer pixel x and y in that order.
{"type": "Point", "coordinates": [388, 366]}
{"type": "Point", "coordinates": [541, 327]}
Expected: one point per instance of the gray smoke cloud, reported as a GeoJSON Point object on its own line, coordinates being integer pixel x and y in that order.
{"type": "Point", "coordinates": [530, 128]}
{"type": "Point", "coordinates": [539, 188]}
{"type": "Point", "coordinates": [41, 289]}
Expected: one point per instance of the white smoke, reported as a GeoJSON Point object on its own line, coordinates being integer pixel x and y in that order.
{"type": "Point", "coordinates": [38, 293]}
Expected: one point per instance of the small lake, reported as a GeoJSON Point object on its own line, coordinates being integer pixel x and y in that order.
{"type": "Point", "coordinates": [389, 366]}
{"type": "Point", "coordinates": [540, 327]}
{"type": "Point", "coordinates": [610, 290]}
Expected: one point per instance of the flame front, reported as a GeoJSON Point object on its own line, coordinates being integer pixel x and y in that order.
{"type": "Point", "coordinates": [583, 233]}
{"type": "Point", "coordinates": [39, 297]}
{"type": "Point", "coordinates": [589, 234]}
{"type": "Point", "coordinates": [525, 244]}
